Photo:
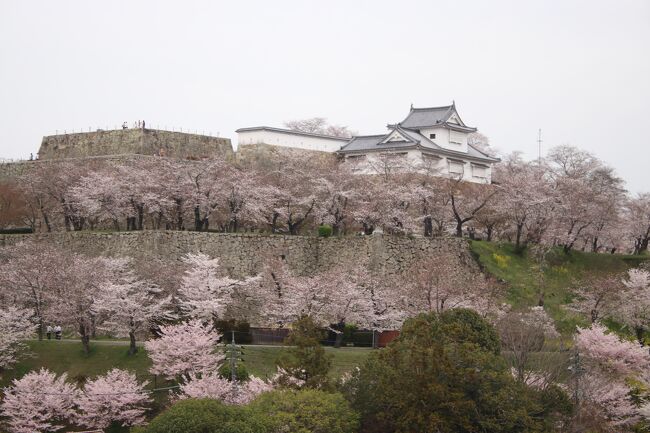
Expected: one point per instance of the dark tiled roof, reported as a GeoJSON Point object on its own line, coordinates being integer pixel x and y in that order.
{"type": "Point", "coordinates": [414, 138]}
{"type": "Point", "coordinates": [421, 117]}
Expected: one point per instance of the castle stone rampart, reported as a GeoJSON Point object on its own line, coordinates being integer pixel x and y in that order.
{"type": "Point", "coordinates": [245, 254]}
{"type": "Point", "coordinates": [134, 141]}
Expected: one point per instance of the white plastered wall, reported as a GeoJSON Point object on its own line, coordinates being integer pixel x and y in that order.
{"type": "Point", "coordinates": [414, 160]}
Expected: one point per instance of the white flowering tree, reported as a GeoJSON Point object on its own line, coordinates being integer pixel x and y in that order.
{"type": "Point", "coordinates": [188, 347]}
{"type": "Point", "coordinates": [129, 304]}
{"type": "Point", "coordinates": [115, 397]}
{"type": "Point", "coordinates": [212, 385]}
{"type": "Point", "coordinates": [205, 292]}
{"type": "Point", "coordinates": [15, 326]}
{"type": "Point", "coordinates": [40, 401]}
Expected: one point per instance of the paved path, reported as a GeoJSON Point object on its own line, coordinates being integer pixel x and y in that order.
{"type": "Point", "coordinates": [139, 343]}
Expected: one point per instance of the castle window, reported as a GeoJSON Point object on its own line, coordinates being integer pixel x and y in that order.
{"type": "Point", "coordinates": [479, 171]}
{"type": "Point", "coordinates": [432, 135]}
{"type": "Point", "coordinates": [456, 168]}
{"type": "Point", "coordinates": [456, 137]}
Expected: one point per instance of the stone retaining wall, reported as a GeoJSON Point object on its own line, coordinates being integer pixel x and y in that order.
{"type": "Point", "coordinates": [135, 141]}
{"type": "Point", "coordinates": [245, 254]}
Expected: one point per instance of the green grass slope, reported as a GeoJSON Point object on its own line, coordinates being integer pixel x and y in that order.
{"type": "Point", "coordinates": [527, 285]}
{"type": "Point", "coordinates": [68, 357]}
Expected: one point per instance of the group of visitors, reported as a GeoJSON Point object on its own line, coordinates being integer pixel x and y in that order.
{"type": "Point", "coordinates": [56, 330]}
{"type": "Point", "coordinates": [138, 124]}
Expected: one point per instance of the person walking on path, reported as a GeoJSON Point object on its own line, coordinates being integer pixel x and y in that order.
{"type": "Point", "coordinates": [57, 332]}
{"type": "Point", "coordinates": [48, 332]}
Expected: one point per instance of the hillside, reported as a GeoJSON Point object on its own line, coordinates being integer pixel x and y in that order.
{"type": "Point", "coordinates": [526, 285]}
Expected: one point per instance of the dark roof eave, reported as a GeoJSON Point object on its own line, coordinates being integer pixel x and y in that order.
{"type": "Point", "coordinates": [451, 153]}
{"type": "Point", "coordinates": [462, 155]}
{"type": "Point", "coordinates": [379, 149]}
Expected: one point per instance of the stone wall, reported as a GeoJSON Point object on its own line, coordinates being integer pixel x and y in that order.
{"type": "Point", "coordinates": [245, 254]}
{"type": "Point", "coordinates": [261, 155]}
{"type": "Point", "coordinates": [11, 170]}
{"type": "Point", "coordinates": [134, 141]}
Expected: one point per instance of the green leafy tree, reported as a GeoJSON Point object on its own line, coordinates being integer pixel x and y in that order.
{"type": "Point", "coordinates": [206, 416]}
{"type": "Point", "coordinates": [306, 411]}
{"type": "Point", "coordinates": [306, 359]}
{"type": "Point", "coordinates": [445, 374]}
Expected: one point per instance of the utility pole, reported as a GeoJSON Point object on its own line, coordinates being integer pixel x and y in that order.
{"type": "Point", "coordinates": [233, 362]}
{"type": "Point", "coordinates": [539, 146]}
{"type": "Point", "coordinates": [576, 371]}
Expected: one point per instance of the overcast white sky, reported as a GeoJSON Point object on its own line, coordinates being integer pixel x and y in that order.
{"type": "Point", "coordinates": [580, 70]}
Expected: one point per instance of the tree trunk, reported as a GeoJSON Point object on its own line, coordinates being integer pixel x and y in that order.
{"type": "Point", "coordinates": [520, 228]}
{"type": "Point", "coordinates": [40, 329]}
{"type": "Point", "coordinates": [459, 228]}
{"type": "Point", "coordinates": [46, 220]}
{"type": "Point", "coordinates": [339, 340]}
{"type": "Point", "coordinates": [428, 227]}
{"type": "Point", "coordinates": [85, 339]}
{"type": "Point", "coordinates": [140, 217]}
{"type": "Point", "coordinates": [132, 347]}
{"type": "Point", "coordinates": [640, 334]}
{"type": "Point", "coordinates": [339, 335]}
{"type": "Point", "coordinates": [594, 245]}
{"type": "Point", "coordinates": [198, 224]}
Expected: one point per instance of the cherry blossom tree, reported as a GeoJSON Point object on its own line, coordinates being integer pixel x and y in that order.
{"type": "Point", "coordinates": [331, 299]}
{"type": "Point", "coordinates": [585, 189]}
{"type": "Point", "coordinates": [212, 385]}
{"type": "Point", "coordinates": [30, 273]}
{"type": "Point", "coordinates": [599, 296]}
{"type": "Point", "coordinates": [130, 304]}
{"type": "Point", "coordinates": [467, 200]}
{"type": "Point", "coordinates": [428, 195]}
{"type": "Point", "coordinates": [386, 204]}
{"type": "Point", "coordinates": [525, 192]}
{"type": "Point", "coordinates": [38, 402]}
{"type": "Point", "coordinates": [637, 219]}
{"type": "Point", "coordinates": [115, 397]}
{"type": "Point", "coordinates": [98, 197]}
{"type": "Point", "coordinates": [340, 194]}
{"type": "Point", "coordinates": [14, 210]}
{"type": "Point", "coordinates": [318, 125]}
{"type": "Point", "coordinates": [635, 310]}
{"type": "Point", "coordinates": [188, 347]}
{"type": "Point", "coordinates": [439, 284]}
{"type": "Point", "coordinates": [75, 300]}
{"type": "Point", "coordinates": [282, 297]}
{"type": "Point", "coordinates": [205, 293]}
{"type": "Point", "coordinates": [293, 193]}
{"type": "Point", "coordinates": [15, 326]}
{"type": "Point", "coordinates": [608, 362]}
{"type": "Point", "coordinates": [523, 334]}
{"type": "Point", "coordinates": [348, 299]}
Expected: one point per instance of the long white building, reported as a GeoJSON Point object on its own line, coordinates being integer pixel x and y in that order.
{"type": "Point", "coordinates": [433, 140]}
{"type": "Point", "coordinates": [289, 138]}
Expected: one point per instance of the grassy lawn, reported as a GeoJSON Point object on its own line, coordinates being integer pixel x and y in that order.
{"type": "Point", "coordinates": [260, 360]}
{"type": "Point", "coordinates": [525, 284]}
{"type": "Point", "coordinates": [67, 356]}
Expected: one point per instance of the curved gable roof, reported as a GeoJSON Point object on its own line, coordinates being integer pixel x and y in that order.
{"type": "Point", "coordinates": [422, 117]}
